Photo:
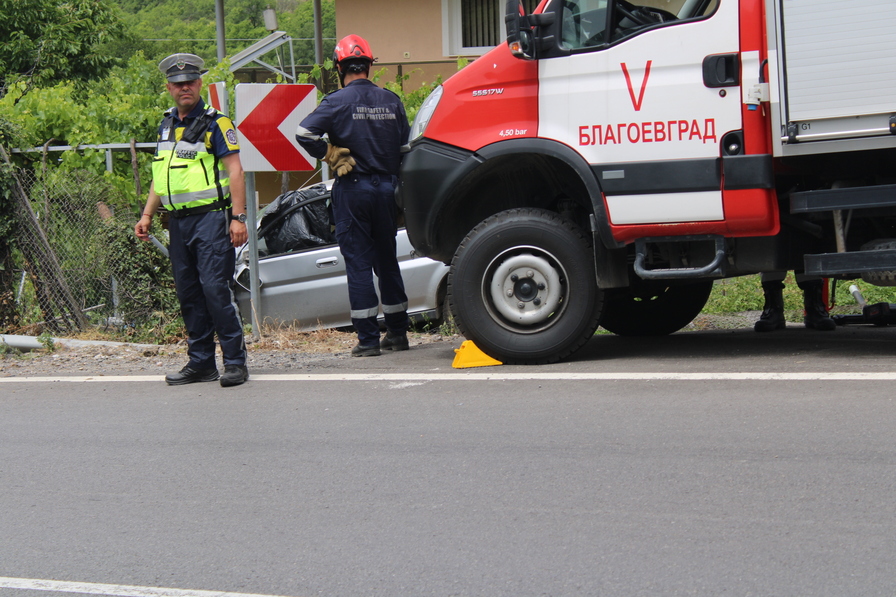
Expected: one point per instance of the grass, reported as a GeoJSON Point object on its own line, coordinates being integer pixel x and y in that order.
{"type": "Point", "coordinates": [330, 341]}
{"type": "Point", "coordinates": [288, 337]}
{"type": "Point", "coordinates": [736, 295]}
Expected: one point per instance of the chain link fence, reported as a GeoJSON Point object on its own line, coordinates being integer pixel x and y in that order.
{"type": "Point", "coordinates": [78, 263]}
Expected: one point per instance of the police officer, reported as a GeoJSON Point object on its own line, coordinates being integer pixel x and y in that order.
{"type": "Point", "coordinates": [198, 179]}
{"type": "Point", "coordinates": [366, 127]}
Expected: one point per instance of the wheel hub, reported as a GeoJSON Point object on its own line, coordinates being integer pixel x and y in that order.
{"type": "Point", "coordinates": [526, 289]}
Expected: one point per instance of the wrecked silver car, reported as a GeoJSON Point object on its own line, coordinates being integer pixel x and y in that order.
{"type": "Point", "coordinates": [302, 273]}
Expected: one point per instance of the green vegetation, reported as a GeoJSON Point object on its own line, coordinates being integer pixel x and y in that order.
{"type": "Point", "coordinates": [9, 316]}
{"type": "Point", "coordinates": [47, 41]}
{"type": "Point", "coordinates": [191, 24]}
{"type": "Point", "coordinates": [46, 340]}
{"type": "Point", "coordinates": [413, 99]}
{"type": "Point", "coordinates": [147, 305]}
{"type": "Point", "coordinates": [736, 295]}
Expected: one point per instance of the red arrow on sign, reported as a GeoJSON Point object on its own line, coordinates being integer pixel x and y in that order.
{"type": "Point", "coordinates": [260, 125]}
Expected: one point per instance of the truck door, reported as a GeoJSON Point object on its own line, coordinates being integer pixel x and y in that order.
{"type": "Point", "coordinates": [646, 92]}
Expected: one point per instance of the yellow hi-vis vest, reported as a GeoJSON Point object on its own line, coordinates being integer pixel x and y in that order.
{"type": "Point", "coordinates": [185, 175]}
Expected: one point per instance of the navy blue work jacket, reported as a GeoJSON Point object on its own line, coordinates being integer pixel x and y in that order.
{"type": "Point", "coordinates": [369, 121]}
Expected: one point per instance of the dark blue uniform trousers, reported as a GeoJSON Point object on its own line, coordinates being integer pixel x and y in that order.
{"type": "Point", "coordinates": [365, 211]}
{"type": "Point", "coordinates": [203, 259]}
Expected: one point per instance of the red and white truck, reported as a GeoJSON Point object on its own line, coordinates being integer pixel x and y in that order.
{"type": "Point", "coordinates": [613, 158]}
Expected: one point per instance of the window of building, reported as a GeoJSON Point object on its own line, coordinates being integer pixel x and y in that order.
{"type": "Point", "coordinates": [473, 27]}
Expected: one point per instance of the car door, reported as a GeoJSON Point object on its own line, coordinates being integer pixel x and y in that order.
{"type": "Point", "coordinates": [307, 286]}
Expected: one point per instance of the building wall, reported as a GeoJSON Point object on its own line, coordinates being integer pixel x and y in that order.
{"type": "Point", "coordinates": [405, 33]}
{"type": "Point", "coordinates": [397, 27]}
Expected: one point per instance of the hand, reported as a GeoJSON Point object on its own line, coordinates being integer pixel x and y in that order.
{"type": "Point", "coordinates": [238, 233]}
{"type": "Point", "coordinates": [142, 227]}
{"type": "Point", "coordinates": [339, 160]}
{"type": "Point", "coordinates": [334, 153]}
{"type": "Point", "coordinates": [344, 165]}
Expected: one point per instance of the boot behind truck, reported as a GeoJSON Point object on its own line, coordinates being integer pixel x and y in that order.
{"type": "Point", "coordinates": [836, 110]}
{"type": "Point", "coordinates": [578, 176]}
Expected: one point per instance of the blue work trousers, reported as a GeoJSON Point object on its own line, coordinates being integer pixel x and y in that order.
{"type": "Point", "coordinates": [365, 211]}
{"type": "Point", "coordinates": [203, 258]}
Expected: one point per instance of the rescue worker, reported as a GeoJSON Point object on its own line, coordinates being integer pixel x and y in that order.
{"type": "Point", "coordinates": [772, 317]}
{"type": "Point", "coordinates": [198, 179]}
{"type": "Point", "coordinates": [366, 127]}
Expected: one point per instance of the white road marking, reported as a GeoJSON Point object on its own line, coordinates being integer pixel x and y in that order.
{"type": "Point", "coordinates": [407, 378]}
{"type": "Point", "coordinates": [35, 584]}
{"type": "Point", "coordinates": [406, 384]}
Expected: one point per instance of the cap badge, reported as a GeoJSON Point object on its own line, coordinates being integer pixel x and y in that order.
{"type": "Point", "coordinates": [181, 64]}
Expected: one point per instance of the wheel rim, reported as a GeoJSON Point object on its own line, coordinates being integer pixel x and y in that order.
{"type": "Point", "coordinates": [523, 289]}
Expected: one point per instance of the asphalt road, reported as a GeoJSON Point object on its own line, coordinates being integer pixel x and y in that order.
{"type": "Point", "coordinates": [705, 463]}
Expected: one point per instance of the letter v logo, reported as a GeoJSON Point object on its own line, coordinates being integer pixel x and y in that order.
{"type": "Point", "coordinates": [631, 92]}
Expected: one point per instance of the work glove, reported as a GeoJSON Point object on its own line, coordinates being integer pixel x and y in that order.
{"type": "Point", "coordinates": [339, 160]}
{"type": "Point", "coordinates": [344, 165]}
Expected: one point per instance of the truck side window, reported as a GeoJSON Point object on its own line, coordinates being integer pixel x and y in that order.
{"type": "Point", "coordinates": [587, 24]}
{"type": "Point", "coordinates": [584, 23]}
{"type": "Point", "coordinates": [630, 18]}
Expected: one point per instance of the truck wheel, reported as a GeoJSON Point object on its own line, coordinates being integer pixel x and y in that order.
{"type": "Point", "coordinates": [653, 309]}
{"type": "Point", "coordinates": [522, 287]}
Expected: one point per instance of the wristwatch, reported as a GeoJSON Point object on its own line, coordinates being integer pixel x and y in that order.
{"type": "Point", "coordinates": [239, 218]}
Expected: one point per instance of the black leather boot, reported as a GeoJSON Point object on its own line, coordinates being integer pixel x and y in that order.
{"type": "Point", "coordinates": [234, 375]}
{"type": "Point", "coordinates": [816, 312]}
{"type": "Point", "coordinates": [772, 317]}
{"type": "Point", "coordinates": [190, 375]}
{"type": "Point", "coordinates": [394, 342]}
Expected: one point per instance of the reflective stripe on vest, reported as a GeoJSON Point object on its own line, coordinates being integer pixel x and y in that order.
{"type": "Point", "coordinates": [186, 175]}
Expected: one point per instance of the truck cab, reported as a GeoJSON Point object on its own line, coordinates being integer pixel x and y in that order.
{"type": "Point", "coordinates": [613, 158]}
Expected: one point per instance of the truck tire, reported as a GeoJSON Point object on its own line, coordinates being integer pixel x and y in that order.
{"type": "Point", "coordinates": [522, 287]}
{"type": "Point", "coordinates": [653, 309]}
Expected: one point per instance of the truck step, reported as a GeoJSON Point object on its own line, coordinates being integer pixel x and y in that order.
{"type": "Point", "coordinates": [853, 262]}
{"type": "Point", "coordinates": [845, 198]}
{"type": "Point", "coordinates": [714, 269]}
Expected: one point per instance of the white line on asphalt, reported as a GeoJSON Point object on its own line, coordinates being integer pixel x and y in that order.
{"type": "Point", "coordinates": [496, 376]}
{"type": "Point", "coordinates": [34, 584]}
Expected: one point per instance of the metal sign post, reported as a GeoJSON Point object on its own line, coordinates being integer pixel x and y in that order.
{"type": "Point", "coordinates": [251, 218]}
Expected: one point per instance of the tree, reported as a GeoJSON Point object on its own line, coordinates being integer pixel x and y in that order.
{"type": "Point", "coordinates": [176, 22]}
{"type": "Point", "coordinates": [300, 24]}
{"type": "Point", "coordinates": [46, 41]}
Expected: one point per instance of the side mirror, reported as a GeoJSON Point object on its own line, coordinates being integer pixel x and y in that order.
{"type": "Point", "coordinates": [525, 47]}
{"type": "Point", "coordinates": [243, 278]}
{"type": "Point", "coordinates": [513, 14]}
{"type": "Point", "coordinates": [522, 37]}
{"type": "Point", "coordinates": [542, 39]}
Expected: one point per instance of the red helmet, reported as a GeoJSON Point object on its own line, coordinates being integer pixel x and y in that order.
{"type": "Point", "coordinates": [352, 47]}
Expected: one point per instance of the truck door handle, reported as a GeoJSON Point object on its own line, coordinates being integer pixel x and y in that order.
{"type": "Point", "coordinates": [326, 262]}
{"type": "Point", "coordinates": [721, 70]}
